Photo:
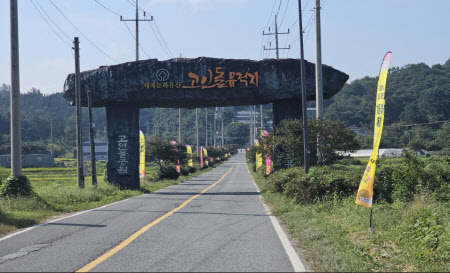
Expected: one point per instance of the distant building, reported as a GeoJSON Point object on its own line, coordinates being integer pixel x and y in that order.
{"type": "Point", "coordinates": [101, 150]}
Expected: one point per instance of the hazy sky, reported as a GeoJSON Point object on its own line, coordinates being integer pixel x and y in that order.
{"type": "Point", "coordinates": [355, 34]}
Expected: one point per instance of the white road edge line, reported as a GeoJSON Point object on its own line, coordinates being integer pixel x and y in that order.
{"type": "Point", "coordinates": [59, 219]}
{"type": "Point", "coordinates": [290, 251]}
{"type": "Point", "coordinates": [73, 215]}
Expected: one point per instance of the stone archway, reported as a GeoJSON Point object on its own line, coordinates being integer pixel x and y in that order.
{"type": "Point", "coordinates": [189, 83]}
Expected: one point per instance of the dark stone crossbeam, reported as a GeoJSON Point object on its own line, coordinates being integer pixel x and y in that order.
{"type": "Point", "coordinates": [132, 83]}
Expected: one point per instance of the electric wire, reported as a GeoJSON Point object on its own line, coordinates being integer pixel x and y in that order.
{"type": "Point", "coordinates": [158, 39]}
{"type": "Point", "coordinates": [107, 8]}
{"type": "Point", "coordinates": [70, 39]}
{"type": "Point", "coordinates": [164, 41]}
{"type": "Point", "coordinates": [99, 49]}
{"type": "Point", "coordinates": [129, 30]}
{"type": "Point", "coordinates": [279, 6]}
{"type": "Point", "coordinates": [168, 51]}
{"type": "Point", "coordinates": [132, 35]}
{"type": "Point", "coordinates": [50, 25]}
{"type": "Point", "coordinates": [284, 15]}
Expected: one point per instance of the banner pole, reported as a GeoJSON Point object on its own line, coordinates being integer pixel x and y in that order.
{"type": "Point", "coordinates": [371, 228]}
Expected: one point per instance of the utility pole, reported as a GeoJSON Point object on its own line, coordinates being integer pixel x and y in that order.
{"type": "Point", "coordinates": [137, 20]}
{"type": "Point", "coordinates": [319, 82]}
{"type": "Point", "coordinates": [196, 130]}
{"type": "Point", "coordinates": [79, 123]}
{"type": "Point", "coordinates": [16, 138]}
{"type": "Point", "coordinates": [51, 135]}
{"type": "Point", "coordinates": [91, 140]}
{"type": "Point", "coordinates": [179, 125]}
{"type": "Point", "coordinates": [261, 113]}
{"type": "Point", "coordinates": [302, 80]}
{"type": "Point", "coordinates": [206, 126]}
{"type": "Point", "coordinates": [255, 128]}
{"type": "Point", "coordinates": [276, 33]}
{"type": "Point", "coordinates": [251, 126]}
{"type": "Point", "coordinates": [221, 120]}
{"type": "Point", "coordinates": [215, 129]}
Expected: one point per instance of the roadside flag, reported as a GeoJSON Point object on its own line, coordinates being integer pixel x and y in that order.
{"type": "Point", "coordinates": [189, 152]}
{"type": "Point", "coordinates": [141, 154]}
{"type": "Point", "coordinates": [365, 192]}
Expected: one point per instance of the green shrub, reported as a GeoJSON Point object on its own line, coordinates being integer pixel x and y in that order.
{"type": "Point", "coordinates": [192, 169]}
{"type": "Point", "coordinates": [16, 186]}
{"type": "Point", "coordinates": [262, 170]}
{"type": "Point", "coordinates": [168, 171]}
{"type": "Point", "coordinates": [184, 171]}
{"type": "Point", "coordinates": [349, 161]}
{"type": "Point", "coordinates": [152, 176]}
{"type": "Point", "coordinates": [314, 186]}
{"type": "Point", "coordinates": [384, 184]}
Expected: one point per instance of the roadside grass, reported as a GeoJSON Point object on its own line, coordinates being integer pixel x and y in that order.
{"type": "Point", "coordinates": [408, 236]}
{"type": "Point", "coordinates": [56, 192]}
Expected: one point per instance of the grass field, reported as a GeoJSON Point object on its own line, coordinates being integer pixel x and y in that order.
{"type": "Point", "coordinates": [57, 193]}
{"type": "Point", "coordinates": [408, 236]}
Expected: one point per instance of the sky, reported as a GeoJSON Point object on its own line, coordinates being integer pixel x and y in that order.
{"type": "Point", "coordinates": [355, 34]}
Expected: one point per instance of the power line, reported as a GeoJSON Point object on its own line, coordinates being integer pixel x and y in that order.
{"type": "Point", "coordinates": [163, 40]}
{"type": "Point", "coordinates": [82, 33]}
{"type": "Point", "coordinates": [70, 39]}
{"type": "Point", "coordinates": [168, 51]}
{"type": "Point", "coordinates": [158, 40]}
{"type": "Point", "coordinates": [270, 16]}
{"type": "Point", "coordinates": [107, 8]}
{"type": "Point", "coordinates": [50, 25]}
{"type": "Point", "coordinates": [285, 10]}
{"type": "Point", "coordinates": [132, 35]}
{"type": "Point", "coordinates": [129, 30]}
{"type": "Point", "coordinates": [279, 6]}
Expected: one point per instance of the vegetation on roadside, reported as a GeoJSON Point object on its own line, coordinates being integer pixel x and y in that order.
{"type": "Point", "coordinates": [411, 214]}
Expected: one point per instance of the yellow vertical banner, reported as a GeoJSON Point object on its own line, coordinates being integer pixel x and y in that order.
{"type": "Point", "coordinates": [141, 154]}
{"type": "Point", "coordinates": [205, 156]}
{"type": "Point", "coordinates": [364, 196]}
{"type": "Point", "coordinates": [189, 153]}
{"type": "Point", "coordinates": [259, 161]}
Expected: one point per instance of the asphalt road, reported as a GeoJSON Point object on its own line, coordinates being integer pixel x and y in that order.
{"type": "Point", "coordinates": [214, 222]}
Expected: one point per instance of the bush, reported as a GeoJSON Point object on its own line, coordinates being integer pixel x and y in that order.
{"type": "Point", "coordinates": [16, 186]}
{"type": "Point", "coordinates": [349, 161]}
{"type": "Point", "coordinates": [168, 171]}
{"type": "Point", "coordinates": [184, 171]}
{"type": "Point", "coordinates": [192, 169]}
{"type": "Point", "coordinates": [314, 186]}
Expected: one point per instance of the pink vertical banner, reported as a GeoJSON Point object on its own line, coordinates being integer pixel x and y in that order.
{"type": "Point", "coordinates": [178, 166]}
{"type": "Point", "coordinates": [201, 156]}
{"type": "Point", "coordinates": [268, 165]}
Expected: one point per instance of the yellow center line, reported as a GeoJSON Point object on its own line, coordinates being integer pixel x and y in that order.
{"type": "Point", "coordinates": [138, 233]}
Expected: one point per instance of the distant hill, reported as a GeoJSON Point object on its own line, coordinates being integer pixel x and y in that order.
{"type": "Point", "coordinates": [415, 94]}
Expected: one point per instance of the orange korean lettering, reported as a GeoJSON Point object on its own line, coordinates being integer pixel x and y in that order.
{"type": "Point", "coordinates": [158, 85]}
{"type": "Point", "coordinates": [147, 85]}
{"type": "Point", "coordinates": [231, 80]}
{"type": "Point", "coordinates": [165, 85]}
{"type": "Point", "coordinates": [219, 80]}
{"type": "Point", "coordinates": [171, 85]}
{"type": "Point", "coordinates": [204, 79]}
{"type": "Point", "coordinates": [242, 78]}
{"type": "Point", "coordinates": [195, 80]}
{"type": "Point", "coordinates": [253, 78]}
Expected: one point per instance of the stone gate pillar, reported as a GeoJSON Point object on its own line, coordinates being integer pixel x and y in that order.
{"type": "Point", "coordinates": [122, 123]}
